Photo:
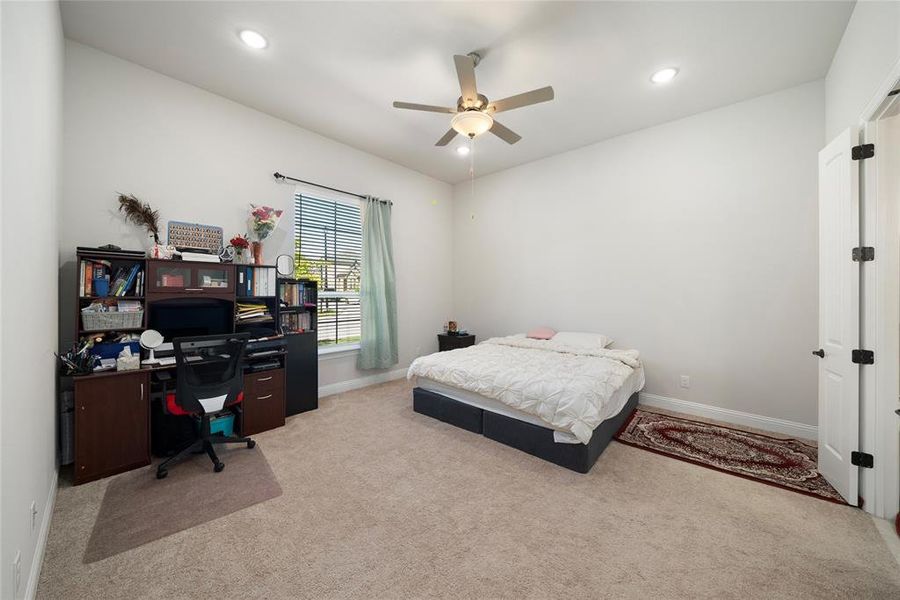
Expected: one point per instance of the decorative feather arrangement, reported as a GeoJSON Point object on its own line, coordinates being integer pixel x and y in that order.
{"type": "Point", "coordinates": [140, 214]}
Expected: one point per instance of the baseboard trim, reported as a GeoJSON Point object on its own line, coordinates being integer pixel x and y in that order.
{"type": "Point", "coordinates": [34, 575]}
{"type": "Point", "coordinates": [355, 384]}
{"type": "Point", "coordinates": [735, 417]}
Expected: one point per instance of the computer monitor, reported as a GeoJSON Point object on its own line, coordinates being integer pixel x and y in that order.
{"type": "Point", "coordinates": [188, 317]}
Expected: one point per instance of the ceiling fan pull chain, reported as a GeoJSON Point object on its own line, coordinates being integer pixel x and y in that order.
{"type": "Point", "coordinates": [472, 164]}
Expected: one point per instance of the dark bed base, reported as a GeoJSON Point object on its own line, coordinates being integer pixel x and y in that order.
{"type": "Point", "coordinates": [535, 440]}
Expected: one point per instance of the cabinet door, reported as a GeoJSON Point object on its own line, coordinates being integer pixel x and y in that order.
{"type": "Point", "coordinates": [301, 390]}
{"type": "Point", "coordinates": [169, 276]}
{"type": "Point", "coordinates": [215, 278]}
{"type": "Point", "coordinates": [263, 406]}
{"type": "Point", "coordinates": [112, 425]}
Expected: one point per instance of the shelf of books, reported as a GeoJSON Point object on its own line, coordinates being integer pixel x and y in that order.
{"type": "Point", "coordinates": [110, 292]}
{"type": "Point", "coordinates": [297, 305]}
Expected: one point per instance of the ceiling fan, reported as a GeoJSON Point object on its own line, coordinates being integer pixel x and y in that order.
{"type": "Point", "coordinates": [474, 113]}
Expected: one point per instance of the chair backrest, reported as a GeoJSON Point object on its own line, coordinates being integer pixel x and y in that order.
{"type": "Point", "coordinates": [209, 371]}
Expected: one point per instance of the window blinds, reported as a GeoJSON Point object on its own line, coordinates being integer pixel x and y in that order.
{"type": "Point", "coordinates": [328, 249]}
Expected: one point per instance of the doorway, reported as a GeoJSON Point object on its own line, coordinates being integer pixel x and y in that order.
{"type": "Point", "coordinates": [880, 310]}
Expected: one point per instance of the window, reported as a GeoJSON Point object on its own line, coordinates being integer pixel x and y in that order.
{"type": "Point", "coordinates": [328, 249]}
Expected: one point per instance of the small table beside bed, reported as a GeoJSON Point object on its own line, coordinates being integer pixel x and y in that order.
{"type": "Point", "coordinates": [561, 399]}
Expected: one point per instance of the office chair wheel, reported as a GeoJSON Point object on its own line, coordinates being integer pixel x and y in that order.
{"type": "Point", "coordinates": [161, 473]}
{"type": "Point", "coordinates": [218, 467]}
{"type": "Point", "coordinates": [251, 444]}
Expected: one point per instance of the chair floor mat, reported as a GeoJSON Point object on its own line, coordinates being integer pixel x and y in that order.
{"type": "Point", "coordinates": [137, 508]}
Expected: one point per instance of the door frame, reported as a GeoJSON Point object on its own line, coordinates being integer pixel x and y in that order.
{"type": "Point", "coordinates": [879, 317]}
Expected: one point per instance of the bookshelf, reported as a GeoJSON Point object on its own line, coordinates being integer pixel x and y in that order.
{"type": "Point", "coordinates": [297, 318]}
{"type": "Point", "coordinates": [297, 305]}
{"type": "Point", "coordinates": [123, 274]}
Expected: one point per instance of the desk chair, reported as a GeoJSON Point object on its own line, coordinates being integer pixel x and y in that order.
{"type": "Point", "coordinates": [209, 378]}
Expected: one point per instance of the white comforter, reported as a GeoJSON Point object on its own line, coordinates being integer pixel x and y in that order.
{"type": "Point", "coordinates": [565, 386]}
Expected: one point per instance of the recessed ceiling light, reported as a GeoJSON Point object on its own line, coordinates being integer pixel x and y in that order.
{"type": "Point", "coordinates": [664, 75]}
{"type": "Point", "coordinates": [462, 150]}
{"type": "Point", "coordinates": [253, 39]}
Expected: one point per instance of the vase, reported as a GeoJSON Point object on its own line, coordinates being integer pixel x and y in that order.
{"type": "Point", "coordinates": [257, 253]}
{"type": "Point", "coordinates": [238, 256]}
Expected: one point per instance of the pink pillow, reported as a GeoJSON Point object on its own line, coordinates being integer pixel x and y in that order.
{"type": "Point", "coordinates": [541, 333]}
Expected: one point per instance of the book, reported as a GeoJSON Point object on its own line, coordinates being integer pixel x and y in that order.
{"type": "Point", "coordinates": [89, 279]}
{"type": "Point", "coordinates": [129, 306]}
{"type": "Point", "coordinates": [130, 280]}
{"type": "Point", "coordinates": [253, 315]}
{"type": "Point", "coordinates": [115, 281]}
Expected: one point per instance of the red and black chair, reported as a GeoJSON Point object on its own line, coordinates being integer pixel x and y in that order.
{"type": "Point", "coordinates": [209, 379]}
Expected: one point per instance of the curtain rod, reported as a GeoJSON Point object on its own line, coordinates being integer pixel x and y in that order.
{"type": "Point", "coordinates": [281, 177]}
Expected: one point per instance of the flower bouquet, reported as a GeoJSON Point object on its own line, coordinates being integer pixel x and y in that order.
{"type": "Point", "coordinates": [263, 221]}
{"type": "Point", "coordinates": [240, 243]}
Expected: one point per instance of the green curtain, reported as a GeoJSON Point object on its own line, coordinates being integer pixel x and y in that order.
{"type": "Point", "coordinates": [378, 290]}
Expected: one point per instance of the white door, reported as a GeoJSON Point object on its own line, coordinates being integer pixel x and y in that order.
{"type": "Point", "coordinates": [838, 314]}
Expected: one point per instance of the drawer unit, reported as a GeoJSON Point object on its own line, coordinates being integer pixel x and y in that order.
{"type": "Point", "coordinates": [452, 342]}
{"type": "Point", "coordinates": [263, 405]}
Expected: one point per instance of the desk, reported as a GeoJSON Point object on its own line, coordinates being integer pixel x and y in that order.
{"type": "Point", "coordinates": [112, 424]}
{"type": "Point", "coordinates": [112, 417]}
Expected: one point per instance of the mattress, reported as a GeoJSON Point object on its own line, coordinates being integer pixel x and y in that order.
{"type": "Point", "coordinates": [632, 384]}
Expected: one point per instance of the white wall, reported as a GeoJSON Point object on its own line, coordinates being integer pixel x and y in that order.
{"type": "Point", "coordinates": [198, 157]}
{"type": "Point", "coordinates": [32, 71]}
{"type": "Point", "coordinates": [868, 51]}
{"type": "Point", "coordinates": [694, 242]}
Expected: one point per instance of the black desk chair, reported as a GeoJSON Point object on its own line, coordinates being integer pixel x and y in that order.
{"type": "Point", "coordinates": [209, 379]}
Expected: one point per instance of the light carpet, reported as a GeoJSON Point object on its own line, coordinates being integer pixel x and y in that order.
{"type": "Point", "coordinates": [381, 502]}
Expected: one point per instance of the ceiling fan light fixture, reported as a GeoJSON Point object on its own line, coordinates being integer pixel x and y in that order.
{"type": "Point", "coordinates": [254, 39]}
{"type": "Point", "coordinates": [664, 75]}
{"type": "Point", "coordinates": [472, 123]}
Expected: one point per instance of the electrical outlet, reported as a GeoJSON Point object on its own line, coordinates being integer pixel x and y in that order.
{"type": "Point", "coordinates": [685, 381]}
{"type": "Point", "coordinates": [34, 514]}
{"type": "Point", "coordinates": [16, 578]}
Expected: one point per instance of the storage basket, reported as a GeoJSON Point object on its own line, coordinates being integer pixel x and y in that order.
{"type": "Point", "coordinates": [104, 321]}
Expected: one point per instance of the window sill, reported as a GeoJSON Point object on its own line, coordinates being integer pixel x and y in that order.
{"type": "Point", "coordinates": [330, 352]}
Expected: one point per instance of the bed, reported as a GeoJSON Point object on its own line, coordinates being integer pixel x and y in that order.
{"type": "Point", "coordinates": [557, 401]}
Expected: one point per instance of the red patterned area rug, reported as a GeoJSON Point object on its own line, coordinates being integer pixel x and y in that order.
{"type": "Point", "coordinates": [786, 463]}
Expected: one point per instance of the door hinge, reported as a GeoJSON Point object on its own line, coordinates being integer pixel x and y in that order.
{"type": "Point", "coordinates": [863, 357]}
{"type": "Point", "coordinates": [863, 254]}
{"type": "Point", "coordinates": [862, 152]}
{"type": "Point", "coordinates": [861, 459]}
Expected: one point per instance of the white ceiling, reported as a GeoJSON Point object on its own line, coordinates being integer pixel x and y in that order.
{"type": "Point", "coordinates": [335, 67]}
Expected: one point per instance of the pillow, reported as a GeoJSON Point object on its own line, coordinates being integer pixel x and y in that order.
{"type": "Point", "coordinates": [585, 340]}
{"type": "Point", "coordinates": [541, 333]}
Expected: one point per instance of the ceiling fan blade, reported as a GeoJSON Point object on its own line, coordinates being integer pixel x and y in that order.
{"type": "Point", "coordinates": [447, 137]}
{"type": "Point", "coordinates": [425, 107]}
{"type": "Point", "coordinates": [465, 71]}
{"type": "Point", "coordinates": [519, 100]}
{"type": "Point", "coordinates": [507, 135]}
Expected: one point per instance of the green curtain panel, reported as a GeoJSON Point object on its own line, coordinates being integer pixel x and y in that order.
{"type": "Point", "coordinates": [378, 289]}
